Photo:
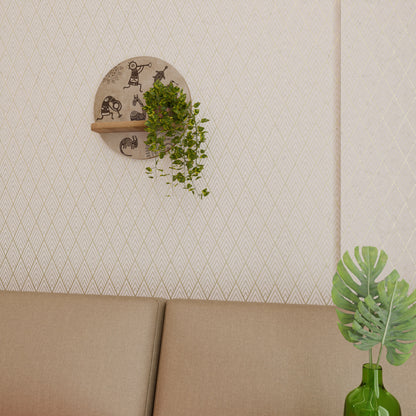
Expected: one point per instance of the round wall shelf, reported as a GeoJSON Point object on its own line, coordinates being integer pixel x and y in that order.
{"type": "Point", "coordinates": [119, 102]}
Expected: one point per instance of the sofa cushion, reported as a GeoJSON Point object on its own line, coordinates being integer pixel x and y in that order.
{"type": "Point", "coordinates": [228, 359]}
{"type": "Point", "coordinates": [78, 355]}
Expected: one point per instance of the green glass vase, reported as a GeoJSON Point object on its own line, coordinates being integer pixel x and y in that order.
{"type": "Point", "coordinates": [370, 398]}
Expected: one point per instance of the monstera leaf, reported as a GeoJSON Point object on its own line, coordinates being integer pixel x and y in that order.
{"type": "Point", "coordinates": [348, 291]}
{"type": "Point", "coordinates": [389, 322]}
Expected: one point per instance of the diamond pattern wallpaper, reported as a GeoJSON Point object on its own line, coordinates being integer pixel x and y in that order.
{"type": "Point", "coordinates": [77, 217]}
{"type": "Point", "coordinates": [378, 112]}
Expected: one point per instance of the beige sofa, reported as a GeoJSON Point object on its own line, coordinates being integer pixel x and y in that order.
{"type": "Point", "coordinates": [67, 355]}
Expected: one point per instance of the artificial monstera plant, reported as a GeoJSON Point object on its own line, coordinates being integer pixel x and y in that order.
{"type": "Point", "coordinates": [175, 129]}
{"type": "Point", "coordinates": [374, 312]}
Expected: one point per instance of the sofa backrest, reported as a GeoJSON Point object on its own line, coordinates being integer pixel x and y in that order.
{"type": "Point", "coordinates": [248, 359]}
{"type": "Point", "coordinates": [72, 355]}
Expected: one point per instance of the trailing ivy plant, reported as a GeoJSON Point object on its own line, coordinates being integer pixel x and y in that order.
{"type": "Point", "coordinates": [175, 129]}
{"type": "Point", "coordinates": [374, 313]}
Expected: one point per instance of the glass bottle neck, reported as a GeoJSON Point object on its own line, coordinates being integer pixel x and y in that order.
{"type": "Point", "coordinates": [372, 375]}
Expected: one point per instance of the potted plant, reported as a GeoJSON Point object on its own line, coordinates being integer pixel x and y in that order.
{"type": "Point", "coordinates": [174, 129]}
{"type": "Point", "coordinates": [373, 313]}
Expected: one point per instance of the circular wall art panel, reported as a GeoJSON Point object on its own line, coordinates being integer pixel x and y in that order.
{"type": "Point", "coordinates": [118, 106]}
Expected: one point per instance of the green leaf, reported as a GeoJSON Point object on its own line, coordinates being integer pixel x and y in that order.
{"type": "Point", "coordinates": [390, 322]}
{"type": "Point", "coordinates": [172, 127]}
{"type": "Point", "coordinates": [353, 282]}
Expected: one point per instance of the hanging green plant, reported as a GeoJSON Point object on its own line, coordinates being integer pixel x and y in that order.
{"type": "Point", "coordinates": [175, 129]}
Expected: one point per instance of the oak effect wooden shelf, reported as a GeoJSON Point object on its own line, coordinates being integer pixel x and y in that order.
{"type": "Point", "coordinates": [117, 126]}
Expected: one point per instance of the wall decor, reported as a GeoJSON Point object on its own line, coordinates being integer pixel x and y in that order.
{"type": "Point", "coordinates": [77, 217]}
{"type": "Point", "coordinates": [118, 107]}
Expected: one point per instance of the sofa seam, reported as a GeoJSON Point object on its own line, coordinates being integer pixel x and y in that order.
{"type": "Point", "coordinates": [157, 329]}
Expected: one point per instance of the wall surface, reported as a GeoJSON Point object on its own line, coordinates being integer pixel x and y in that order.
{"type": "Point", "coordinates": [378, 112]}
{"type": "Point", "coordinates": [77, 217]}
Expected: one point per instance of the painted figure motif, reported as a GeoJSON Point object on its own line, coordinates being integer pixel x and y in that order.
{"type": "Point", "coordinates": [159, 75]}
{"type": "Point", "coordinates": [134, 76]}
{"type": "Point", "coordinates": [135, 115]}
{"type": "Point", "coordinates": [110, 103]}
{"type": "Point", "coordinates": [128, 142]}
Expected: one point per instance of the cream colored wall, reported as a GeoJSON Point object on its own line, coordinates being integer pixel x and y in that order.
{"type": "Point", "coordinates": [378, 174]}
{"type": "Point", "coordinates": [77, 217]}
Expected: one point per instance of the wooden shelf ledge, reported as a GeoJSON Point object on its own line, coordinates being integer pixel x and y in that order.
{"type": "Point", "coordinates": [117, 126]}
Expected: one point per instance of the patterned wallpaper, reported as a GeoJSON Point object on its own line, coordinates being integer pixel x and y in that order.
{"type": "Point", "coordinates": [378, 113]}
{"type": "Point", "coordinates": [77, 217]}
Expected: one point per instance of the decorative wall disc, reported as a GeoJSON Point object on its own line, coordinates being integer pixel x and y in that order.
{"type": "Point", "coordinates": [118, 105]}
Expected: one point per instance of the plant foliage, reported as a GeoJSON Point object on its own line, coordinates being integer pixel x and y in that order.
{"type": "Point", "coordinates": [389, 322]}
{"type": "Point", "coordinates": [370, 312]}
{"type": "Point", "coordinates": [174, 129]}
{"type": "Point", "coordinates": [347, 292]}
